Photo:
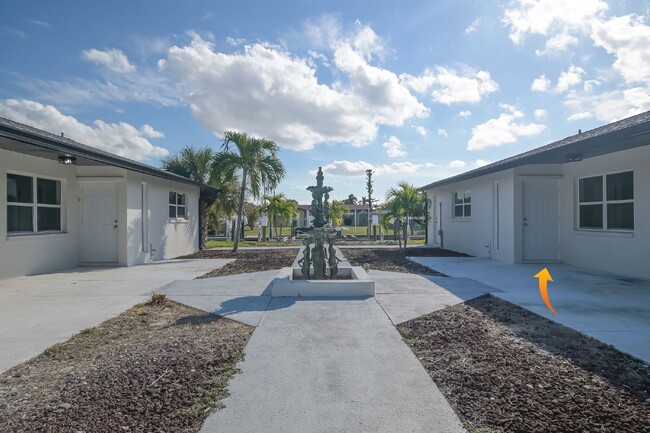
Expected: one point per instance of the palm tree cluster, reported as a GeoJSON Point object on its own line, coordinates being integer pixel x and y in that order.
{"type": "Point", "coordinates": [245, 166]}
{"type": "Point", "coordinates": [280, 210]}
{"type": "Point", "coordinates": [404, 203]}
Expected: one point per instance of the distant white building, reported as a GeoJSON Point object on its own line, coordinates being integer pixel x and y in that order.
{"type": "Point", "coordinates": [583, 200]}
{"type": "Point", "coordinates": [63, 204]}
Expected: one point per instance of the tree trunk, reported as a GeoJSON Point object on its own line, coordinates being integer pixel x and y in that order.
{"type": "Point", "coordinates": [242, 195]}
{"type": "Point", "coordinates": [406, 233]}
{"type": "Point", "coordinates": [397, 229]}
{"type": "Point", "coordinates": [204, 215]}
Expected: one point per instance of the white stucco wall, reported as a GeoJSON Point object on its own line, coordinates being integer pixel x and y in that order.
{"type": "Point", "coordinates": [169, 238]}
{"type": "Point", "coordinates": [477, 235]}
{"type": "Point", "coordinates": [39, 253]}
{"type": "Point", "coordinates": [626, 253]}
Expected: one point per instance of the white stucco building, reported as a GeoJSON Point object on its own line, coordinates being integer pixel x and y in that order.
{"type": "Point", "coordinates": [64, 204]}
{"type": "Point", "coordinates": [583, 200]}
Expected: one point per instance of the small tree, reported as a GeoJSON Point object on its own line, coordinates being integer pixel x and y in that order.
{"type": "Point", "coordinates": [337, 209]}
{"type": "Point", "coordinates": [279, 209]}
{"type": "Point", "coordinates": [403, 203]}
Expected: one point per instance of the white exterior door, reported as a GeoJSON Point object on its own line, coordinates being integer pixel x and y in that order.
{"type": "Point", "coordinates": [541, 219]}
{"type": "Point", "coordinates": [435, 217]}
{"type": "Point", "coordinates": [99, 222]}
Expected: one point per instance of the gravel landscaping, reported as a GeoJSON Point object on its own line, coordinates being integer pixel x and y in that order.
{"type": "Point", "coordinates": [154, 368]}
{"type": "Point", "coordinates": [505, 369]}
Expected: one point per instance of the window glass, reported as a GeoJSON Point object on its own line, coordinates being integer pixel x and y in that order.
{"type": "Point", "coordinates": [620, 186]}
{"type": "Point", "coordinates": [19, 189]}
{"type": "Point", "coordinates": [172, 198]}
{"type": "Point", "coordinates": [591, 189]}
{"type": "Point", "coordinates": [48, 219]}
{"type": "Point", "coordinates": [620, 216]}
{"type": "Point", "coordinates": [172, 211]}
{"type": "Point", "coordinates": [458, 198]}
{"type": "Point", "coordinates": [468, 196]}
{"type": "Point", "coordinates": [181, 199]}
{"type": "Point", "coordinates": [458, 211]}
{"type": "Point", "coordinates": [468, 210]}
{"type": "Point", "coordinates": [19, 219]}
{"type": "Point", "coordinates": [180, 212]}
{"type": "Point", "coordinates": [591, 216]}
{"type": "Point", "coordinates": [48, 191]}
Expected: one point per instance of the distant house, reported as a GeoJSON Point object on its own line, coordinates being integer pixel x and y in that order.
{"type": "Point", "coordinates": [63, 204]}
{"type": "Point", "coordinates": [583, 200]}
{"type": "Point", "coordinates": [356, 215]}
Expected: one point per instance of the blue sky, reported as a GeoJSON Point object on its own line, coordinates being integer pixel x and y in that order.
{"type": "Point", "coordinates": [417, 91]}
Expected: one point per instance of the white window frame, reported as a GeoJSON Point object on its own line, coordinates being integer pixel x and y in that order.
{"type": "Point", "coordinates": [35, 205]}
{"type": "Point", "coordinates": [603, 202]}
{"type": "Point", "coordinates": [176, 206]}
{"type": "Point", "coordinates": [461, 205]}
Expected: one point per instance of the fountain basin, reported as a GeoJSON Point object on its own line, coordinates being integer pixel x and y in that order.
{"type": "Point", "coordinates": [352, 281]}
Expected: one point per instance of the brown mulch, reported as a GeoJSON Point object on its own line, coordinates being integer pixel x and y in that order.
{"type": "Point", "coordinates": [154, 368]}
{"type": "Point", "coordinates": [506, 369]}
{"type": "Point", "coordinates": [384, 259]}
{"type": "Point", "coordinates": [246, 260]}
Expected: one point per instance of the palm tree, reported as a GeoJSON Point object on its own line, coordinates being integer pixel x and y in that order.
{"type": "Point", "coordinates": [195, 164]}
{"type": "Point", "coordinates": [255, 160]}
{"type": "Point", "coordinates": [352, 199]}
{"type": "Point", "coordinates": [337, 209]}
{"type": "Point", "coordinates": [403, 203]}
{"type": "Point", "coordinates": [279, 209]}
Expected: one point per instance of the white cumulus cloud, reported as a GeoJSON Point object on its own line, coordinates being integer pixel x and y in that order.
{"type": "Point", "coordinates": [502, 130]}
{"type": "Point", "coordinates": [540, 114]}
{"type": "Point", "coordinates": [120, 138]}
{"type": "Point", "coordinates": [580, 116]}
{"type": "Point", "coordinates": [557, 44]}
{"type": "Point", "coordinates": [542, 17]}
{"type": "Point", "coordinates": [612, 105]}
{"type": "Point", "coordinates": [465, 113]}
{"type": "Point", "coordinates": [358, 168]}
{"type": "Point", "coordinates": [420, 130]}
{"type": "Point", "coordinates": [628, 38]}
{"type": "Point", "coordinates": [450, 86]}
{"type": "Point", "coordinates": [457, 163]}
{"type": "Point", "coordinates": [541, 84]}
{"type": "Point", "coordinates": [442, 132]}
{"type": "Point", "coordinates": [268, 91]}
{"type": "Point", "coordinates": [394, 147]}
{"type": "Point", "coordinates": [113, 59]}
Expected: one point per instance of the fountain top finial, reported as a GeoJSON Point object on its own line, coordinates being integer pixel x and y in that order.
{"type": "Point", "coordinates": [317, 192]}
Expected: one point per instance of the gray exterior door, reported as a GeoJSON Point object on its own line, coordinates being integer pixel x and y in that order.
{"type": "Point", "coordinates": [540, 219]}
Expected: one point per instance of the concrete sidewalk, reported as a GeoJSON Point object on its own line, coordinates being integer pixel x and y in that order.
{"type": "Point", "coordinates": [327, 365]}
{"type": "Point", "coordinates": [610, 308]}
{"type": "Point", "coordinates": [39, 311]}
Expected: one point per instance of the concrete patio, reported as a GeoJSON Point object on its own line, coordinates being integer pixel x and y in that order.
{"type": "Point", "coordinates": [39, 311]}
{"type": "Point", "coordinates": [610, 308]}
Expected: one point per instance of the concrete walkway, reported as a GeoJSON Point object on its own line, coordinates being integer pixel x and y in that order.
{"type": "Point", "coordinates": [610, 308]}
{"type": "Point", "coordinates": [327, 365]}
{"type": "Point", "coordinates": [39, 311]}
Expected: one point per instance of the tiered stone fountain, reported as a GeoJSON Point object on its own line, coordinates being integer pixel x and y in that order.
{"type": "Point", "coordinates": [319, 269]}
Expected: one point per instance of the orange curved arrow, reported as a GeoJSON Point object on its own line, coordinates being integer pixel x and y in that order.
{"type": "Point", "coordinates": [544, 277]}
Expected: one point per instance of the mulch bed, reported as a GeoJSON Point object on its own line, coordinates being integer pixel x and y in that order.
{"type": "Point", "coordinates": [384, 259]}
{"type": "Point", "coordinates": [154, 368]}
{"type": "Point", "coordinates": [433, 252]}
{"type": "Point", "coordinates": [506, 369]}
{"type": "Point", "coordinates": [246, 260]}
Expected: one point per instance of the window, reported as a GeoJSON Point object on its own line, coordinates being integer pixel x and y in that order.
{"type": "Point", "coordinates": [176, 205]}
{"type": "Point", "coordinates": [33, 204]}
{"type": "Point", "coordinates": [462, 205]}
{"type": "Point", "coordinates": [606, 202]}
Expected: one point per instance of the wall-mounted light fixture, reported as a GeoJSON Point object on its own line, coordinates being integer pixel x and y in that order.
{"type": "Point", "coordinates": [574, 157]}
{"type": "Point", "coordinates": [67, 159]}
